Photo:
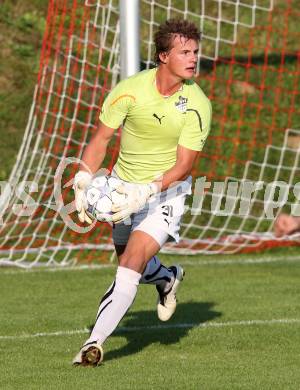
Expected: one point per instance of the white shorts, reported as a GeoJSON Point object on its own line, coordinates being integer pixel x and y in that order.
{"type": "Point", "coordinates": [160, 218]}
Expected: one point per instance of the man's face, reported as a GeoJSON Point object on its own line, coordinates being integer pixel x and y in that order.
{"type": "Point", "coordinates": [181, 60]}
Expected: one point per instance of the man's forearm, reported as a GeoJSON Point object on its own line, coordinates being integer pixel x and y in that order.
{"type": "Point", "coordinates": [93, 157]}
{"type": "Point", "coordinates": [95, 151]}
{"type": "Point", "coordinates": [180, 171]}
{"type": "Point", "coordinates": [172, 176]}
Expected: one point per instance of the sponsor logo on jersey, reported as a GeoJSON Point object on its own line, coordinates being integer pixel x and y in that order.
{"type": "Point", "coordinates": [181, 105]}
{"type": "Point", "coordinates": [158, 118]}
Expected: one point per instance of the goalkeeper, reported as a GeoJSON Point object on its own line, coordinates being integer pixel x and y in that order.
{"type": "Point", "coordinates": [166, 119]}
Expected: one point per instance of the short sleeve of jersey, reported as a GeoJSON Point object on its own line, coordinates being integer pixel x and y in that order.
{"type": "Point", "coordinates": [197, 124]}
{"type": "Point", "coordinates": [117, 105]}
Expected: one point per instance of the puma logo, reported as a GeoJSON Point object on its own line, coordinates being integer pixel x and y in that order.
{"type": "Point", "coordinates": [167, 221]}
{"type": "Point", "coordinates": [158, 118]}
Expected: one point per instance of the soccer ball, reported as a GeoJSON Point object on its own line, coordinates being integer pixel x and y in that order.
{"type": "Point", "coordinates": [100, 196]}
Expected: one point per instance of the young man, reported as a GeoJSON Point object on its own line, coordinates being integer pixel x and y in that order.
{"type": "Point", "coordinates": [166, 119]}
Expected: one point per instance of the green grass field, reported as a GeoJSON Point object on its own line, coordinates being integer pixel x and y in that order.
{"type": "Point", "coordinates": [236, 327]}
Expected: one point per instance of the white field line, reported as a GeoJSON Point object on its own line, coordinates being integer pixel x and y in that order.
{"type": "Point", "coordinates": [254, 260]}
{"type": "Point", "coordinates": [205, 325]}
{"type": "Point", "coordinates": [82, 267]}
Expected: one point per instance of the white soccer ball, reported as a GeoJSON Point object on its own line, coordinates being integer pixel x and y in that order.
{"type": "Point", "coordinates": [100, 196]}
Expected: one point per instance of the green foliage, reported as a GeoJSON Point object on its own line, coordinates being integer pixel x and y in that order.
{"type": "Point", "coordinates": [31, 20]}
{"type": "Point", "coordinates": [22, 25]}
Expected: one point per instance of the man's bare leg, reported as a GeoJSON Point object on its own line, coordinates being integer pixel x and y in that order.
{"type": "Point", "coordinates": [166, 280]}
{"type": "Point", "coordinates": [154, 272]}
{"type": "Point", "coordinates": [140, 248]}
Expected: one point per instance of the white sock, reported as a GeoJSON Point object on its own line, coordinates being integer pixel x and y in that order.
{"type": "Point", "coordinates": [114, 304]}
{"type": "Point", "coordinates": [157, 273]}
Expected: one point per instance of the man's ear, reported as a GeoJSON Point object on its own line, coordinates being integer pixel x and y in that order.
{"type": "Point", "coordinates": [163, 56]}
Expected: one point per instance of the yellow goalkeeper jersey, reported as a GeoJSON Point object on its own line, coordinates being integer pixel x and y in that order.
{"type": "Point", "coordinates": [154, 125]}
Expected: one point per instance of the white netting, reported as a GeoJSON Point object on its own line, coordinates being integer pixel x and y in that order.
{"type": "Point", "coordinates": [80, 64]}
{"type": "Point", "coordinates": [250, 205]}
{"type": "Point", "coordinates": [218, 20]}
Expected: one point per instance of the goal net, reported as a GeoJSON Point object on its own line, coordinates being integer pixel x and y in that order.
{"type": "Point", "coordinates": [249, 68]}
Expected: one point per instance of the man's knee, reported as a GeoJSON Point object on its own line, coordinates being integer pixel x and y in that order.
{"type": "Point", "coordinates": [133, 258]}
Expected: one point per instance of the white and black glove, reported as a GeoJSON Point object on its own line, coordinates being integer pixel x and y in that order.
{"type": "Point", "coordinates": [136, 196]}
{"type": "Point", "coordinates": [82, 179]}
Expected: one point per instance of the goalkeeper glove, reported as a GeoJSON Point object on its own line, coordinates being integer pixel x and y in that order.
{"type": "Point", "coordinates": [136, 198]}
{"type": "Point", "coordinates": [82, 179]}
